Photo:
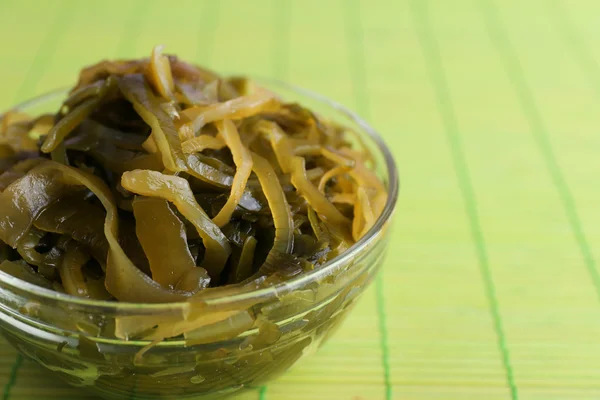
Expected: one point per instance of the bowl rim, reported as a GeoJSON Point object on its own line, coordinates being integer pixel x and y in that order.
{"type": "Point", "coordinates": [276, 290]}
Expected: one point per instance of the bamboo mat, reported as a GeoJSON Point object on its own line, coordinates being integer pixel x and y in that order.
{"type": "Point", "coordinates": [492, 108]}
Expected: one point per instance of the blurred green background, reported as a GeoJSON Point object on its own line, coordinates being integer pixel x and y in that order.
{"type": "Point", "coordinates": [491, 289]}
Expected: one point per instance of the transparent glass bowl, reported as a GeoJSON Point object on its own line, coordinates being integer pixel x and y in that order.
{"type": "Point", "coordinates": [75, 338]}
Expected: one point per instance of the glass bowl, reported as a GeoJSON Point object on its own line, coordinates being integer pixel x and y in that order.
{"type": "Point", "coordinates": [245, 340]}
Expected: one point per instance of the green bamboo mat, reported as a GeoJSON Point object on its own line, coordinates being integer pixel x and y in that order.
{"type": "Point", "coordinates": [492, 108]}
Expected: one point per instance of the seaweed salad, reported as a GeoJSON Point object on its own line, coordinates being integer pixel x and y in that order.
{"type": "Point", "coordinates": [157, 180]}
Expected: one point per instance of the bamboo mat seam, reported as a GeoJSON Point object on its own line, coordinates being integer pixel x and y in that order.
{"type": "Point", "coordinates": [461, 168]}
